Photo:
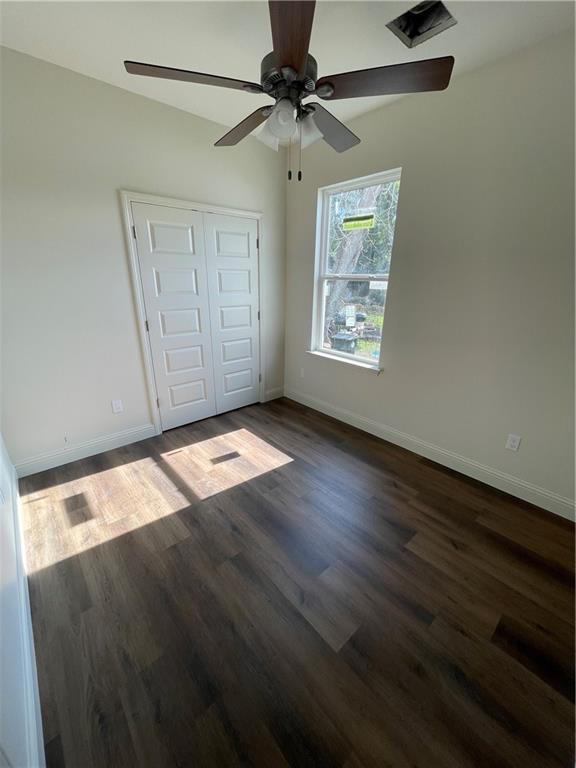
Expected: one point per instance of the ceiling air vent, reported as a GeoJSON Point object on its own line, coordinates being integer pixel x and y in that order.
{"type": "Point", "coordinates": [422, 22]}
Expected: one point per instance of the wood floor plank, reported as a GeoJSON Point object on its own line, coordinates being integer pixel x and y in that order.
{"type": "Point", "coordinates": [313, 682]}
{"type": "Point", "coordinates": [450, 561]}
{"type": "Point", "coordinates": [532, 535]}
{"type": "Point", "coordinates": [398, 665]}
{"type": "Point", "coordinates": [538, 651]}
{"type": "Point", "coordinates": [548, 729]}
{"type": "Point", "coordinates": [272, 588]}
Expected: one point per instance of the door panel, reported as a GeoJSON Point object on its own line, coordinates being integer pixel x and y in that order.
{"type": "Point", "coordinates": [232, 257]}
{"type": "Point", "coordinates": [170, 245]}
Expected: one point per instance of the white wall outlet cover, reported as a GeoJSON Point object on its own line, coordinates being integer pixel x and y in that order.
{"type": "Point", "coordinates": [117, 406]}
{"type": "Point", "coordinates": [513, 442]}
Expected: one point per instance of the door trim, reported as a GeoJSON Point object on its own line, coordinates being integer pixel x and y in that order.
{"type": "Point", "coordinates": [127, 197]}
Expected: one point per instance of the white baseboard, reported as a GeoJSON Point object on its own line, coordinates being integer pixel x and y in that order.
{"type": "Point", "coordinates": [273, 394]}
{"type": "Point", "coordinates": [83, 450]}
{"type": "Point", "coordinates": [515, 486]}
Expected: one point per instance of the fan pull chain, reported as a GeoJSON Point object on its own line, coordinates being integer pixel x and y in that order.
{"type": "Point", "coordinates": [300, 150]}
{"type": "Point", "coordinates": [290, 160]}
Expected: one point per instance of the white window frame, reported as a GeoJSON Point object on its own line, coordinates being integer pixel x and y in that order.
{"type": "Point", "coordinates": [321, 274]}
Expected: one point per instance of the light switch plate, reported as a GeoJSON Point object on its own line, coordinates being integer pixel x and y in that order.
{"type": "Point", "coordinates": [117, 406]}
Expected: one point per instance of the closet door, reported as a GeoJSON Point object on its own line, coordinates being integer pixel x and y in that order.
{"type": "Point", "coordinates": [232, 261]}
{"type": "Point", "coordinates": [172, 260]}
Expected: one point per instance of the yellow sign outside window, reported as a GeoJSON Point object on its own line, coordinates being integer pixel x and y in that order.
{"type": "Point", "coordinates": [358, 222]}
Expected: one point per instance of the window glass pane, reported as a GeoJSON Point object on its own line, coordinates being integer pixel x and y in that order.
{"type": "Point", "coordinates": [361, 229]}
{"type": "Point", "coordinates": [353, 316]}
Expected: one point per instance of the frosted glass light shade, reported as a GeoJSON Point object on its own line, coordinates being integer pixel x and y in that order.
{"type": "Point", "coordinates": [282, 121]}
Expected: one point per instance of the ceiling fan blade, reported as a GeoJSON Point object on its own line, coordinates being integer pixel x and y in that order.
{"type": "Point", "coordinates": [333, 131]}
{"type": "Point", "coordinates": [427, 75]}
{"type": "Point", "coordinates": [242, 130]}
{"type": "Point", "coordinates": [291, 29]}
{"type": "Point", "coordinates": [185, 75]}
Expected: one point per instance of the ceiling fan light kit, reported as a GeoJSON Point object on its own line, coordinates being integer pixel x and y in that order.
{"type": "Point", "coordinates": [289, 74]}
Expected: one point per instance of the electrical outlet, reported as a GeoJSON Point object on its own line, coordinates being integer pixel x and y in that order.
{"type": "Point", "coordinates": [117, 406]}
{"type": "Point", "coordinates": [513, 442]}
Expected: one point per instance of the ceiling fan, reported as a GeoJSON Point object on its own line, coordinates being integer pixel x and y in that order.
{"type": "Point", "coordinates": [289, 75]}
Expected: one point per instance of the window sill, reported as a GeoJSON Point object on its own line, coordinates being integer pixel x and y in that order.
{"type": "Point", "coordinates": [347, 361]}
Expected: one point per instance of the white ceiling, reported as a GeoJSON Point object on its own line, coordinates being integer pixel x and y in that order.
{"type": "Point", "coordinates": [230, 38]}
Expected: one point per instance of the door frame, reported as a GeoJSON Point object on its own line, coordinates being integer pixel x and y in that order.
{"type": "Point", "coordinates": [127, 197]}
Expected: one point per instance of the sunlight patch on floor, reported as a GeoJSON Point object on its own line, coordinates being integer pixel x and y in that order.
{"type": "Point", "coordinates": [75, 516]}
{"type": "Point", "coordinates": [220, 463]}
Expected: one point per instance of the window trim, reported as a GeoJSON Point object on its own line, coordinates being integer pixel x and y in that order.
{"type": "Point", "coordinates": [320, 265]}
{"type": "Point", "coordinates": [344, 357]}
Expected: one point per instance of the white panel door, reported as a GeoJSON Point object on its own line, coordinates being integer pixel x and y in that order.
{"type": "Point", "coordinates": [170, 245]}
{"type": "Point", "coordinates": [232, 259]}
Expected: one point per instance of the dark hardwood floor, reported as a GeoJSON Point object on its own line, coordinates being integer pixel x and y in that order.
{"type": "Point", "coordinates": [274, 588]}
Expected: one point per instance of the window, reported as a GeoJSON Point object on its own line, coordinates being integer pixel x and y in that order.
{"type": "Point", "coordinates": [357, 221]}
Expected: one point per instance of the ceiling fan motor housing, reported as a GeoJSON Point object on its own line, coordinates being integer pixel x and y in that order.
{"type": "Point", "coordinates": [284, 82]}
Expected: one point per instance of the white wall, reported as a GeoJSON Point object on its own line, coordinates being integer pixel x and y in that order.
{"type": "Point", "coordinates": [478, 338]}
{"type": "Point", "coordinates": [20, 720]}
{"type": "Point", "coordinates": [69, 143]}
